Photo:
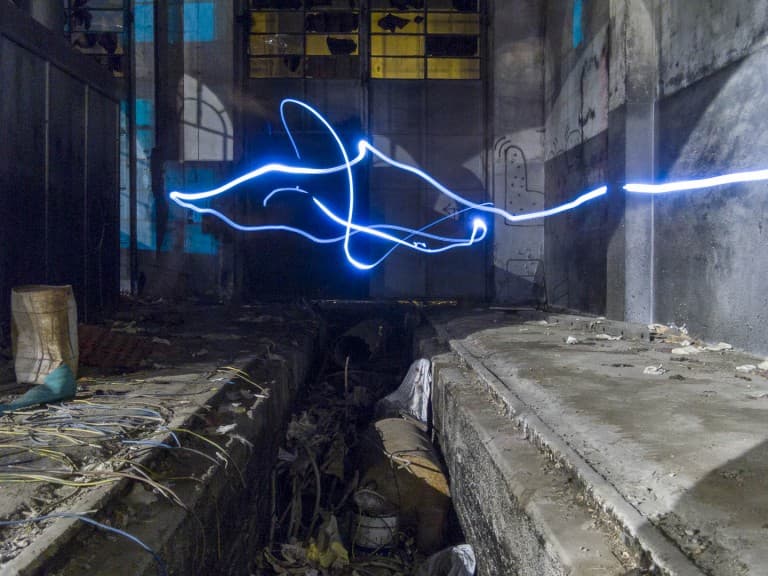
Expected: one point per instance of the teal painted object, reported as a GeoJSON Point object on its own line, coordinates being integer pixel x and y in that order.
{"type": "Point", "coordinates": [59, 385]}
{"type": "Point", "coordinates": [578, 29]}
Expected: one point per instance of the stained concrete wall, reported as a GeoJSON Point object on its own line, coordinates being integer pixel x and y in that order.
{"type": "Point", "coordinates": [642, 90]}
{"type": "Point", "coordinates": [517, 153]}
{"type": "Point", "coordinates": [711, 263]}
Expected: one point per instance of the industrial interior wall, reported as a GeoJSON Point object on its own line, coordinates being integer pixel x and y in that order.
{"type": "Point", "coordinates": [59, 183]}
{"type": "Point", "coordinates": [711, 248]}
{"type": "Point", "coordinates": [644, 90]}
{"type": "Point", "coordinates": [577, 156]}
{"type": "Point", "coordinates": [185, 79]}
{"type": "Point", "coordinates": [517, 154]}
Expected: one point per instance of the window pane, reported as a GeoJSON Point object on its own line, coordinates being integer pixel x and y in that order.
{"type": "Point", "coordinates": [281, 67]}
{"type": "Point", "coordinates": [393, 22]}
{"type": "Point", "coordinates": [97, 20]}
{"type": "Point", "coordinates": [273, 44]}
{"type": "Point", "coordinates": [333, 67]}
{"type": "Point", "coordinates": [459, 5]}
{"type": "Point", "coordinates": [447, 23]}
{"type": "Point", "coordinates": [456, 45]}
{"type": "Point", "coordinates": [453, 69]}
{"type": "Point", "coordinates": [104, 4]}
{"type": "Point", "coordinates": [321, 45]}
{"type": "Point", "coordinates": [277, 23]}
{"type": "Point", "coordinates": [397, 45]}
{"type": "Point", "coordinates": [405, 68]}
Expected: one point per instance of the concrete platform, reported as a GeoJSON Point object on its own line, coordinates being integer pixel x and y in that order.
{"type": "Point", "coordinates": [675, 457]}
{"type": "Point", "coordinates": [220, 375]}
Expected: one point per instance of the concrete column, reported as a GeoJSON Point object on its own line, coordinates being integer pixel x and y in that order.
{"type": "Point", "coordinates": [638, 70]}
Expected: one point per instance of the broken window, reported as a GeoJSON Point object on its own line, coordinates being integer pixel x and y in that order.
{"type": "Point", "coordinates": [432, 39]}
{"type": "Point", "coordinates": [304, 39]}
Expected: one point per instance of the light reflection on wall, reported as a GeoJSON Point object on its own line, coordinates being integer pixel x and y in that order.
{"type": "Point", "coordinates": [207, 132]}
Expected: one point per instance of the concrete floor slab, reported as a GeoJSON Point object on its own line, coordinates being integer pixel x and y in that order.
{"type": "Point", "coordinates": [682, 448]}
{"type": "Point", "coordinates": [215, 362]}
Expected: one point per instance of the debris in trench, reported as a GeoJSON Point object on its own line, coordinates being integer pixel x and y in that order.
{"type": "Point", "coordinates": [655, 370]}
{"type": "Point", "coordinates": [763, 366]}
{"type": "Point", "coordinates": [571, 340]}
{"type": "Point", "coordinates": [455, 561]}
{"type": "Point", "coordinates": [412, 397]}
{"type": "Point", "coordinates": [351, 498]}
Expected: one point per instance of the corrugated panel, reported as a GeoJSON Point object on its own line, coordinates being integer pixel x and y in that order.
{"type": "Point", "coordinates": [102, 274]}
{"type": "Point", "coordinates": [22, 168]}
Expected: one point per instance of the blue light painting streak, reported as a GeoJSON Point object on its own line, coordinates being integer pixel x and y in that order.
{"type": "Point", "coordinates": [413, 239]}
{"type": "Point", "coordinates": [699, 184]}
{"type": "Point", "coordinates": [350, 227]}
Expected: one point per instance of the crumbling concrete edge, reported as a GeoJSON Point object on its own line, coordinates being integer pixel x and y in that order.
{"type": "Point", "coordinates": [519, 509]}
{"type": "Point", "coordinates": [61, 535]}
{"type": "Point", "coordinates": [662, 555]}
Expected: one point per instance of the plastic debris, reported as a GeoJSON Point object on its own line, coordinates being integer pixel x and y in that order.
{"type": "Point", "coordinates": [412, 397]}
{"type": "Point", "coordinates": [655, 370]}
{"type": "Point", "coordinates": [604, 336]}
{"type": "Point", "coordinates": [456, 561]}
{"type": "Point", "coordinates": [328, 551]}
{"type": "Point", "coordinates": [59, 385]}
{"type": "Point", "coordinates": [746, 368]}
{"type": "Point", "coordinates": [763, 366]}
{"type": "Point", "coordinates": [687, 350]}
{"type": "Point", "coordinates": [719, 347]}
{"type": "Point", "coordinates": [571, 340]}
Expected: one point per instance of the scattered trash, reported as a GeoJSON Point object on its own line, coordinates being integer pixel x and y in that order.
{"type": "Point", "coordinates": [719, 347]}
{"type": "Point", "coordinates": [571, 340]}
{"type": "Point", "coordinates": [200, 353]}
{"type": "Point", "coordinates": [328, 551]}
{"type": "Point", "coordinates": [655, 370]}
{"type": "Point", "coordinates": [746, 368]}
{"type": "Point", "coordinates": [687, 350]}
{"type": "Point", "coordinates": [763, 366]}
{"type": "Point", "coordinates": [604, 336]}
{"type": "Point", "coordinates": [412, 397]}
{"type": "Point", "coordinates": [58, 385]}
{"type": "Point", "coordinates": [455, 561]}
{"type": "Point", "coordinates": [163, 341]}
{"type": "Point", "coordinates": [226, 428]}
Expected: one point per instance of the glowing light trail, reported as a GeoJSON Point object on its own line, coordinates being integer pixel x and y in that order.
{"type": "Point", "coordinates": [413, 239]}
{"type": "Point", "coordinates": [701, 183]}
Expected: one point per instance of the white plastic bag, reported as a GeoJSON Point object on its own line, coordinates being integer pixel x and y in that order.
{"type": "Point", "coordinates": [412, 397]}
{"type": "Point", "coordinates": [456, 561]}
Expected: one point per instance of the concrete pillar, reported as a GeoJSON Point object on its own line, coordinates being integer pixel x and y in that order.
{"type": "Point", "coordinates": [635, 76]}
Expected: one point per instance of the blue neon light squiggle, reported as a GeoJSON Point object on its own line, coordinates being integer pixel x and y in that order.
{"type": "Point", "coordinates": [413, 239]}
